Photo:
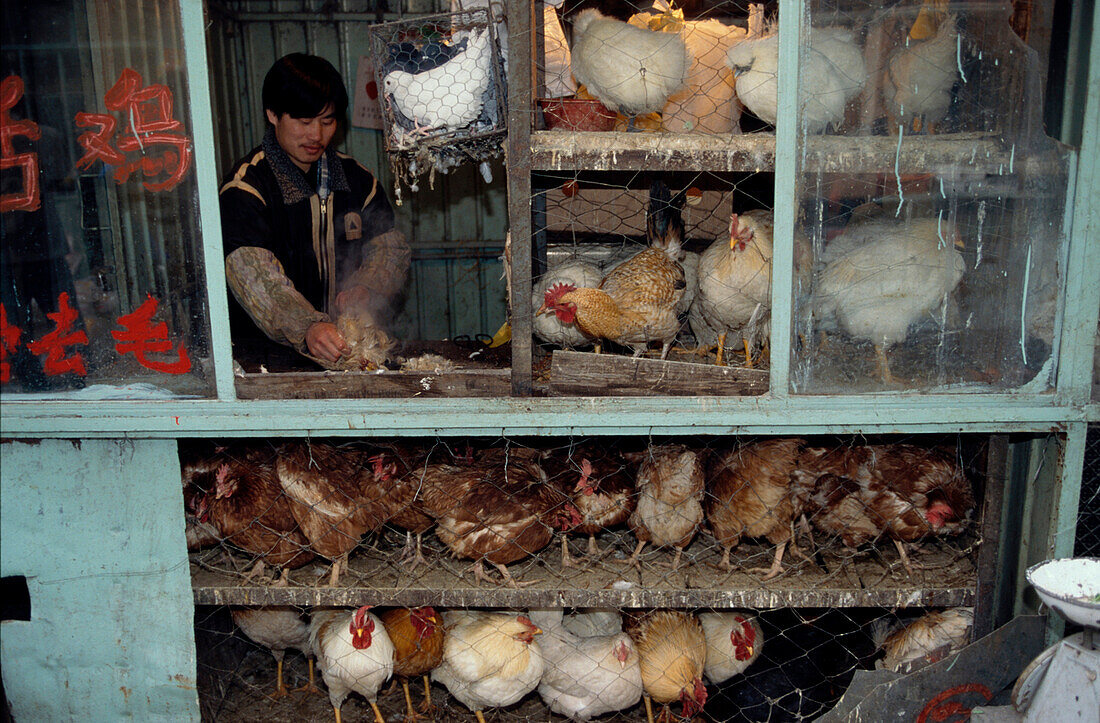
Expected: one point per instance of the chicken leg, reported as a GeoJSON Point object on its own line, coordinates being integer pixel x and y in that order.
{"type": "Point", "coordinates": [426, 704]}
{"type": "Point", "coordinates": [634, 560]}
{"type": "Point", "coordinates": [411, 714]}
{"type": "Point", "coordinates": [567, 560]}
{"type": "Point", "coordinates": [721, 348]}
{"type": "Point", "coordinates": [377, 713]}
{"type": "Point", "coordinates": [748, 354]}
{"type": "Point", "coordinates": [280, 688]}
{"type": "Point", "coordinates": [777, 563]}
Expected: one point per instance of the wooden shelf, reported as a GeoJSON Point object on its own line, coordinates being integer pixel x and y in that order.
{"type": "Point", "coordinates": [868, 579]}
{"type": "Point", "coordinates": [755, 152]}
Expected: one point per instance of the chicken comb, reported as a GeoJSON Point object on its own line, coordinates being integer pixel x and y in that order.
{"type": "Point", "coordinates": [556, 291]}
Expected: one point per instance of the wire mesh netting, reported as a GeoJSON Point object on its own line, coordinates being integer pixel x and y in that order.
{"type": "Point", "coordinates": [443, 92]}
{"type": "Point", "coordinates": [1087, 543]}
{"type": "Point", "coordinates": [702, 574]}
{"type": "Point", "coordinates": [928, 249]}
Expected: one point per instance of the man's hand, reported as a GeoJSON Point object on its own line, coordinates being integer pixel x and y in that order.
{"type": "Point", "coordinates": [325, 341]}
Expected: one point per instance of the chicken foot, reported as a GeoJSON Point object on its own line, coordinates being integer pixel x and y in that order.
{"type": "Point", "coordinates": [777, 563]}
{"type": "Point", "coordinates": [411, 714]}
{"type": "Point", "coordinates": [280, 687]}
{"type": "Point", "coordinates": [635, 558]}
{"type": "Point", "coordinates": [905, 561]}
{"type": "Point", "coordinates": [411, 554]}
{"type": "Point", "coordinates": [507, 579]}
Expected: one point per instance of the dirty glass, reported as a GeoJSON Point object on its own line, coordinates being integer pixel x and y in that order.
{"type": "Point", "coordinates": [931, 200]}
{"type": "Point", "coordinates": [103, 290]}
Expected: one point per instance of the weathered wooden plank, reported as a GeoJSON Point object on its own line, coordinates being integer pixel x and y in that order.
{"type": "Point", "coordinates": [754, 152]}
{"type": "Point", "coordinates": [374, 576]}
{"type": "Point", "coordinates": [333, 385]}
{"type": "Point", "coordinates": [584, 373]}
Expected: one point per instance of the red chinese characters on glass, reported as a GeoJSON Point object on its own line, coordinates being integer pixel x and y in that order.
{"type": "Point", "coordinates": [28, 197]}
{"type": "Point", "coordinates": [143, 337]}
{"type": "Point", "coordinates": [9, 342]}
{"type": "Point", "coordinates": [149, 126]}
{"type": "Point", "coordinates": [53, 345]}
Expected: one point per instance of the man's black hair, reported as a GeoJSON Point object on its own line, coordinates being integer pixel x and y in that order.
{"type": "Point", "coordinates": [302, 85]}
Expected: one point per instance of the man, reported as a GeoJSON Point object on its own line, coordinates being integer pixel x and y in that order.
{"type": "Point", "coordinates": [308, 232]}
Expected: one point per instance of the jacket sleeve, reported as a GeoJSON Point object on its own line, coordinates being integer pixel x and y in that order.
{"type": "Point", "coordinates": [384, 268]}
{"type": "Point", "coordinates": [260, 286]}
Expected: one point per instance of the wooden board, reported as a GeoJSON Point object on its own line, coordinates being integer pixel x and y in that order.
{"type": "Point", "coordinates": [354, 385]}
{"type": "Point", "coordinates": [598, 375]}
{"type": "Point", "coordinates": [838, 578]}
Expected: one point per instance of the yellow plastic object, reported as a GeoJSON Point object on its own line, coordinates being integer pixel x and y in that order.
{"type": "Point", "coordinates": [502, 337]}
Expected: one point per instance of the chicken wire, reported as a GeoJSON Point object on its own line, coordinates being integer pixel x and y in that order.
{"type": "Point", "coordinates": [923, 122]}
{"type": "Point", "coordinates": [442, 81]}
{"type": "Point", "coordinates": [807, 658]}
{"type": "Point", "coordinates": [821, 597]}
{"type": "Point", "coordinates": [587, 224]}
{"type": "Point", "coordinates": [1087, 543]}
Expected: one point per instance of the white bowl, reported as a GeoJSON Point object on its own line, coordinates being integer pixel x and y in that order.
{"type": "Point", "coordinates": [1070, 586]}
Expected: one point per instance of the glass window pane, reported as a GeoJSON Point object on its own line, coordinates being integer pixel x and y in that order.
{"type": "Point", "coordinates": [932, 198]}
{"type": "Point", "coordinates": [102, 269]}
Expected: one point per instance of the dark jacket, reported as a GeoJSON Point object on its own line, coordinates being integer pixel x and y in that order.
{"type": "Point", "coordinates": [290, 251]}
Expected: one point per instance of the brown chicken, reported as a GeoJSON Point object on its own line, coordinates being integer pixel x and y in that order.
{"type": "Point", "coordinates": [337, 494]}
{"type": "Point", "coordinates": [417, 636]}
{"type": "Point", "coordinates": [672, 651]}
{"type": "Point", "coordinates": [635, 303]}
{"type": "Point", "coordinates": [233, 496]}
{"type": "Point", "coordinates": [499, 514]}
{"type": "Point", "coordinates": [669, 508]}
{"type": "Point", "coordinates": [603, 492]}
{"type": "Point", "coordinates": [900, 491]}
{"type": "Point", "coordinates": [751, 497]}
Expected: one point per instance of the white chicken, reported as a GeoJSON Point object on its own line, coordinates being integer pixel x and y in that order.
{"type": "Point", "coordinates": [734, 278]}
{"type": "Point", "coordinates": [548, 327]}
{"type": "Point", "coordinates": [734, 642]}
{"type": "Point", "coordinates": [490, 660]}
{"type": "Point", "coordinates": [586, 676]}
{"type": "Point", "coordinates": [629, 69]}
{"type": "Point", "coordinates": [832, 73]}
{"type": "Point", "coordinates": [880, 275]}
{"type": "Point", "coordinates": [354, 652]}
{"type": "Point", "coordinates": [446, 96]}
{"type": "Point", "coordinates": [276, 628]}
{"type": "Point", "coordinates": [919, 77]}
{"type": "Point", "coordinates": [932, 637]}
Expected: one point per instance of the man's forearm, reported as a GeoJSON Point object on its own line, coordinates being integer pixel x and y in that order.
{"type": "Point", "coordinates": [260, 285]}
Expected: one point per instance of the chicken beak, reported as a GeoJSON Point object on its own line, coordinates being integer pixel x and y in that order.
{"type": "Point", "coordinates": [542, 310]}
{"type": "Point", "coordinates": [960, 244]}
{"type": "Point", "coordinates": [750, 651]}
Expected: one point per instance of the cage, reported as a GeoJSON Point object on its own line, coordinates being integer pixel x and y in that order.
{"type": "Point", "coordinates": [686, 526]}
{"type": "Point", "coordinates": [443, 84]}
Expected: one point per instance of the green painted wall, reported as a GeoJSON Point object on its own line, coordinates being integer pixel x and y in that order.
{"type": "Point", "coordinates": [97, 529]}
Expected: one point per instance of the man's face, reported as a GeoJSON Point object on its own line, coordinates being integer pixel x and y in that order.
{"type": "Point", "coordinates": [304, 139]}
